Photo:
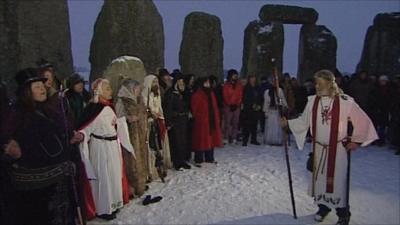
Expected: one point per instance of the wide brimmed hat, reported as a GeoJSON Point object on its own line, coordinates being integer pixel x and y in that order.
{"type": "Point", "coordinates": [28, 76]}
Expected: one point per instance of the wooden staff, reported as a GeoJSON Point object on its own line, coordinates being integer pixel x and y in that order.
{"type": "Point", "coordinates": [285, 135]}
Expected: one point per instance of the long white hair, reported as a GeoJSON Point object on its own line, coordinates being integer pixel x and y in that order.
{"type": "Point", "coordinates": [97, 88]}
{"type": "Point", "coordinates": [327, 75]}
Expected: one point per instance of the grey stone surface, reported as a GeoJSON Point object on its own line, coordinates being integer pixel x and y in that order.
{"type": "Point", "coordinates": [122, 68]}
{"type": "Point", "coordinates": [317, 50]}
{"type": "Point", "coordinates": [30, 30]}
{"type": "Point", "coordinates": [127, 27]}
{"type": "Point", "coordinates": [201, 51]}
{"type": "Point", "coordinates": [262, 42]}
{"type": "Point", "coordinates": [288, 14]}
{"type": "Point", "coordinates": [381, 52]}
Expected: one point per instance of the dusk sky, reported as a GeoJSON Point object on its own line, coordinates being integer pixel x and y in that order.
{"type": "Point", "coordinates": [348, 20]}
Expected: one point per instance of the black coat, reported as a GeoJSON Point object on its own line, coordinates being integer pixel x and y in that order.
{"type": "Point", "coordinates": [43, 140]}
{"type": "Point", "coordinates": [176, 112]}
{"type": "Point", "coordinates": [252, 100]}
{"type": "Point", "coordinates": [176, 109]}
{"type": "Point", "coordinates": [379, 104]}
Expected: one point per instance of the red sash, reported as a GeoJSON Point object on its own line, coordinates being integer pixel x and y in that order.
{"type": "Point", "coordinates": [333, 138]}
{"type": "Point", "coordinates": [163, 129]}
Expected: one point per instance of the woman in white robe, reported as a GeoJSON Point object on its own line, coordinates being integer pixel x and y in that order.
{"type": "Point", "coordinates": [331, 193]}
{"type": "Point", "coordinates": [273, 134]}
{"type": "Point", "coordinates": [101, 152]}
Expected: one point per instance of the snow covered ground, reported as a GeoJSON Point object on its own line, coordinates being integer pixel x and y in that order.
{"type": "Point", "coordinates": [249, 186]}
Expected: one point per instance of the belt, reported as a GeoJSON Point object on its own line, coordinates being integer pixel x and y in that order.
{"type": "Point", "coordinates": [324, 155]}
{"type": "Point", "coordinates": [112, 138]}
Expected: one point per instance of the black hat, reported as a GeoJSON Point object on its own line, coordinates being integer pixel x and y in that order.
{"type": "Point", "coordinates": [162, 72]}
{"type": "Point", "coordinates": [28, 76]}
{"type": "Point", "coordinates": [74, 79]}
{"type": "Point", "coordinates": [44, 64]}
{"type": "Point", "coordinates": [177, 76]}
{"type": "Point", "coordinates": [231, 72]}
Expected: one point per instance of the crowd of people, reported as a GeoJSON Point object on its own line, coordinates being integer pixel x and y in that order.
{"type": "Point", "coordinates": [70, 154]}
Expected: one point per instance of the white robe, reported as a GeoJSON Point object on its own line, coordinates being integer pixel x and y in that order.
{"type": "Point", "coordinates": [273, 134]}
{"type": "Point", "coordinates": [363, 132]}
{"type": "Point", "coordinates": [105, 161]}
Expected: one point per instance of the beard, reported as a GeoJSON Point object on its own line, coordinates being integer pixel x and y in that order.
{"type": "Point", "coordinates": [155, 90]}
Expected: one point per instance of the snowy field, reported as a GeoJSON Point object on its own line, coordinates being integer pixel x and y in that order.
{"type": "Point", "coordinates": [249, 186]}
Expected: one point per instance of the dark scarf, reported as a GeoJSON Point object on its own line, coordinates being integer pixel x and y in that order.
{"type": "Point", "coordinates": [211, 116]}
{"type": "Point", "coordinates": [271, 93]}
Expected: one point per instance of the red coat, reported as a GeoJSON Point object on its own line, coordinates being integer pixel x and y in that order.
{"type": "Point", "coordinates": [202, 140]}
{"type": "Point", "coordinates": [233, 96]}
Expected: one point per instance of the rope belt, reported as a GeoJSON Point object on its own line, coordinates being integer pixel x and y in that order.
{"type": "Point", "coordinates": [112, 138]}
{"type": "Point", "coordinates": [324, 156]}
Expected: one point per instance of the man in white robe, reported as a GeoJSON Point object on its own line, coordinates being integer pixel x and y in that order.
{"type": "Point", "coordinates": [327, 115]}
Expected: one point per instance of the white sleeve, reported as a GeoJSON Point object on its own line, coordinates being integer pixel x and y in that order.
{"type": "Point", "coordinates": [123, 135]}
{"type": "Point", "coordinates": [363, 129]}
{"type": "Point", "coordinates": [301, 125]}
{"type": "Point", "coordinates": [84, 150]}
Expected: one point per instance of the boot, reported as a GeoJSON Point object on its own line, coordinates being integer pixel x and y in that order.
{"type": "Point", "coordinates": [107, 217]}
{"type": "Point", "coordinates": [186, 166]}
{"type": "Point", "coordinates": [344, 216]}
{"type": "Point", "coordinates": [323, 211]}
{"type": "Point", "coordinates": [343, 221]}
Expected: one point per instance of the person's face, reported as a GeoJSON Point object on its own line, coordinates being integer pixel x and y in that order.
{"type": "Point", "coordinates": [207, 84]}
{"type": "Point", "coordinates": [235, 77]}
{"type": "Point", "coordinates": [181, 84]}
{"type": "Point", "coordinates": [78, 88]}
{"type": "Point", "coordinates": [154, 83]}
{"type": "Point", "coordinates": [137, 90]}
{"type": "Point", "coordinates": [39, 93]}
{"type": "Point", "coordinates": [107, 91]}
{"type": "Point", "coordinates": [252, 81]}
{"type": "Point", "coordinates": [165, 77]}
{"type": "Point", "coordinates": [322, 86]}
{"type": "Point", "coordinates": [50, 79]}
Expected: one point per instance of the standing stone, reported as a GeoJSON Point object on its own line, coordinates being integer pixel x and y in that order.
{"type": "Point", "coordinates": [381, 53]}
{"type": "Point", "coordinates": [201, 51]}
{"type": "Point", "coordinates": [262, 41]}
{"type": "Point", "coordinates": [317, 50]}
{"type": "Point", "coordinates": [288, 14]}
{"type": "Point", "coordinates": [31, 30]}
{"type": "Point", "coordinates": [122, 68]}
{"type": "Point", "coordinates": [127, 27]}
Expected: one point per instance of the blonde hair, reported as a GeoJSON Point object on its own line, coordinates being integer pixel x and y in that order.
{"type": "Point", "coordinates": [327, 75]}
{"type": "Point", "coordinates": [98, 89]}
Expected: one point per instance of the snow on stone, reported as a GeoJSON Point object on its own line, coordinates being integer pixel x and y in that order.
{"type": "Point", "coordinates": [326, 32]}
{"type": "Point", "coordinates": [249, 186]}
{"type": "Point", "coordinates": [265, 29]}
{"type": "Point", "coordinates": [125, 58]}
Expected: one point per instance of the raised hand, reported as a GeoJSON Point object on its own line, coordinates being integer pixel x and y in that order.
{"type": "Point", "coordinates": [12, 149]}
